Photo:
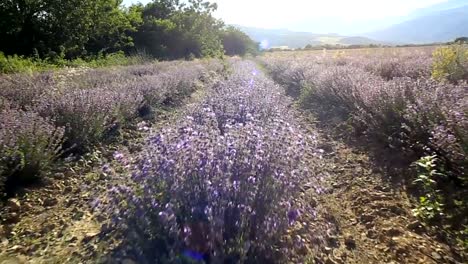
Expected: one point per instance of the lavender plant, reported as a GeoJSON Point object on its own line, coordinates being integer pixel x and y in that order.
{"type": "Point", "coordinates": [29, 144]}
{"type": "Point", "coordinates": [88, 106]}
{"type": "Point", "coordinates": [392, 100]}
{"type": "Point", "coordinates": [222, 184]}
{"type": "Point", "coordinates": [399, 108]}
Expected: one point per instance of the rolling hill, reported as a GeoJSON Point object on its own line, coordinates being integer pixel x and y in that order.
{"type": "Point", "coordinates": [292, 39]}
{"type": "Point", "coordinates": [439, 23]}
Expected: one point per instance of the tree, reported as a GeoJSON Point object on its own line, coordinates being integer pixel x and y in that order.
{"type": "Point", "coordinates": [69, 27]}
{"type": "Point", "coordinates": [21, 25]}
{"type": "Point", "coordinates": [236, 42]}
{"type": "Point", "coordinates": [172, 30]}
{"type": "Point", "coordinates": [155, 29]}
{"type": "Point", "coordinates": [166, 29]}
{"type": "Point", "coordinates": [197, 33]}
{"type": "Point", "coordinates": [112, 26]}
{"type": "Point", "coordinates": [461, 40]}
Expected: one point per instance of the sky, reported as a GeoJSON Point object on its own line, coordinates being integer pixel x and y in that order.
{"type": "Point", "coordinates": [319, 16]}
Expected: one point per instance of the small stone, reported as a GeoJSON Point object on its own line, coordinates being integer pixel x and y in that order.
{"type": "Point", "coordinates": [436, 256]}
{"type": "Point", "coordinates": [27, 206]}
{"type": "Point", "coordinates": [89, 236]}
{"type": "Point", "coordinates": [401, 251]}
{"type": "Point", "coordinates": [20, 259]}
{"type": "Point", "coordinates": [13, 218]}
{"type": "Point", "coordinates": [68, 189]}
{"type": "Point", "coordinates": [332, 241]}
{"type": "Point", "coordinates": [369, 225]}
{"type": "Point", "coordinates": [4, 242]}
{"type": "Point", "coordinates": [68, 174]}
{"type": "Point", "coordinates": [59, 175]}
{"type": "Point", "coordinates": [17, 248]}
{"type": "Point", "coordinates": [71, 239]}
{"type": "Point", "coordinates": [14, 205]}
{"type": "Point", "coordinates": [367, 218]}
{"type": "Point", "coordinates": [313, 202]}
{"type": "Point", "coordinates": [50, 202]}
{"type": "Point", "coordinates": [330, 261]}
{"type": "Point", "coordinates": [415, 225]}
{"type": "Point", "coordinates": [350, 242]}
{"type": "Point", "coordinates": [47, 228]}
{"type": "Point", "coordinates": [372, 234]}
{"type": "Point", "coordinates": [128, 261]}
{"type": "Point", "coordinates": [393, 232]}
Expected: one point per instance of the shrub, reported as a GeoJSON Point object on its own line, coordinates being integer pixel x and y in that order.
{"type": "Point", "coordinates": [29, 145]}
{"type": "Point", "coordinates": [339, 90]}
{"type": "Point", "coordinates": [85, 114]}
{"type": "Point", "coordinates": [414, 66]}
{"type": "Point", "coordinates": [20, 64]}
{"type": "Point", "coordinates": [88, 107]}
{"type": "Point", "coordinates": [407, 117]}
{"type": "Point", "coordinates": [450, 63]}
{"type": "Point", "coordinates": [17, 64]}
{"type": "Point", "coordinates": [219, 185]}
{"type": "Point", "coordinates": [430, 202]}
{"type": "Point", "coordinates": [24, 90]}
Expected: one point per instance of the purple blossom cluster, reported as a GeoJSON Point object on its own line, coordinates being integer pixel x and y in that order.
{"type": "Point", "coordinates": [77, 110]}
{"type": "Point", "coordinates": [220, 184]}
{"type": "Point", "coordinates": [28, 144]}
{"type": "Point", "coordinates": [385, 97]}
{"type": "Point", "coordinates": [389, 98]}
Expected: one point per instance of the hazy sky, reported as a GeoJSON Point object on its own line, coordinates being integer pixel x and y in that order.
{"type": "Point", "coordinates": [334, 15]}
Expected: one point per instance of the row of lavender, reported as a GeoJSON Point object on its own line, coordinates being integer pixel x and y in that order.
{"type": "Point", "coordinates": [393, 100]}
{"type": "Point", "coordinates": [220, 185]}
{"type": "Point", "coordinates": [46, 115]}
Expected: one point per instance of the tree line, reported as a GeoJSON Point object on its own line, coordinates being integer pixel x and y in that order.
{"type": "Point", "coordinates": [163, 29]}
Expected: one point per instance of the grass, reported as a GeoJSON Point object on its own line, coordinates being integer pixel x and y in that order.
{"type": "Point", "coordinates": [20, 64]}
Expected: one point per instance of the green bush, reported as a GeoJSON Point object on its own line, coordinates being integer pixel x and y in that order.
{"type": "Point", "coordinates": [20, 64]}
{"type": "Point", "coordinates": [450, 63]}
{"type": "Point", "coordinates": [430, 201]}
{"type": "Point", "coordinates": [16, 64]}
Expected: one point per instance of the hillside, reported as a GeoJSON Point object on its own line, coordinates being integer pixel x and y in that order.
{"type": "Point", "coordinates": [427, 25]}
{"type": "Point", "coordinates": [440, 22]}
{"type": "Point", "coordinates": [292, 39]}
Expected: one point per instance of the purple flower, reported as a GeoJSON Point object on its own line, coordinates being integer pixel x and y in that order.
{"type": "Point", "coordinates": [293, 215]}
{"type": "Point", "coordinates": [118, 156]}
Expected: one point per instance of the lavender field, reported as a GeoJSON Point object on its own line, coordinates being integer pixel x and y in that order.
{"type": "Point", "coordinates": [290, 157]}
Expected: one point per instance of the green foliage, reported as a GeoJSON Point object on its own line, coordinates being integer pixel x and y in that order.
{"type": "Point", "coordinates": [450, 63]}
{"type": "Point", "coordinates": [430, 202]}
{"type": "Point", "coordinates": [236, 42]}
{"type": "Point", "coordinates": [171, 30]}
{"type": "Point", "coordinates": [69, 28]}
{"type": "Point", "coordinates": [461, 40]}
{"type": "Point", "coordinates": [196, 32]}
{"type": "Point", "coordinates": [15, 63]}
{"type": "Point", "coordinates": [21, 64]}
{"type": "Point", "coordinates": [55, 32]}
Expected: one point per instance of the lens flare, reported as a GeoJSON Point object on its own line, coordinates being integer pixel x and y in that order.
{"type": "Point", "coordinates": [264, 44]}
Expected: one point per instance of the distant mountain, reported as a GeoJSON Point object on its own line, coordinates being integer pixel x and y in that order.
{"type": "Point", "coordinates": [439, 23]}
{"type": "Point", "coordinates": [292, 39]}
{"type": "Point", "coordinates": [430, 10]}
